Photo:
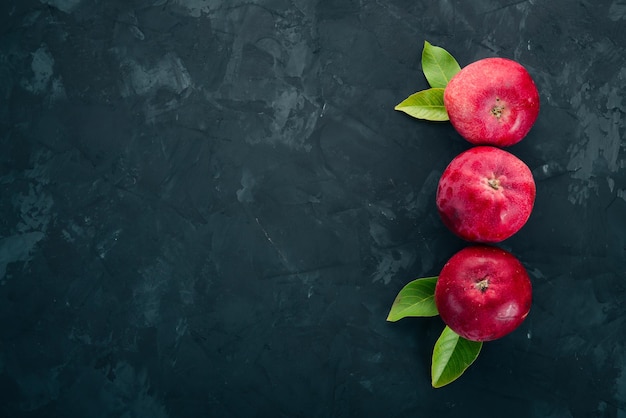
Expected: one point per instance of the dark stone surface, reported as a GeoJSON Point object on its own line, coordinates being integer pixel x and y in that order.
{"type": "Point", "coordinates": [207, 208]}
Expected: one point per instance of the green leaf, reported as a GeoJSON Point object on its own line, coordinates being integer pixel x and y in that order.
{"type": "Point", "coordinates": [425, 104]}
{"type": "Point", "coordinates": [417, 298]}
{"type": "Point", "coordinates": [438, 65]}
{"type": "Point", "coordinates": [452, 355]}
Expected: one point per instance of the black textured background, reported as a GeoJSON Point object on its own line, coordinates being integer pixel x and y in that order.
{"type": "Point", "coordinates": [207, 208]}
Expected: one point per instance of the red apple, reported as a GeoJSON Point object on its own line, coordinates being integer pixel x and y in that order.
{"type": "Point", "coordinates": [483, 293]}
{"type": "Point", "coordinates": [493, 101]}
{"type": "Point", "coordinates": [485, 194]}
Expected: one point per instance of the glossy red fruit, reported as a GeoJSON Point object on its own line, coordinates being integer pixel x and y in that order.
{"type": "Point", "coordinates": [485, 194]}
{"type": "Point", "coordinates": [483, 293]}
{"type": "Point", "coordinates": [493, 101]}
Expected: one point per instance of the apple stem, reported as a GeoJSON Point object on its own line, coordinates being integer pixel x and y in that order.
{"type": "Point", "coordinates": [497, 109]}
{"type": "Point", "coordinates": [482, 284]}
{"type": "Point", "coordinates": [494, 183]}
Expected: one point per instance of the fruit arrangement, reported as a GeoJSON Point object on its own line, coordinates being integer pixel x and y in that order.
{"type": "Point", "coordinates": [484, 196]}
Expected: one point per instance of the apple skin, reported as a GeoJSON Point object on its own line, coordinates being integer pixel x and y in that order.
{"type": "Point", "coordinates": [485, 194]}
{"type": "Point", "coordinates": [483, 293]}
{"type": "Point", "coordinates": [493, 101]}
